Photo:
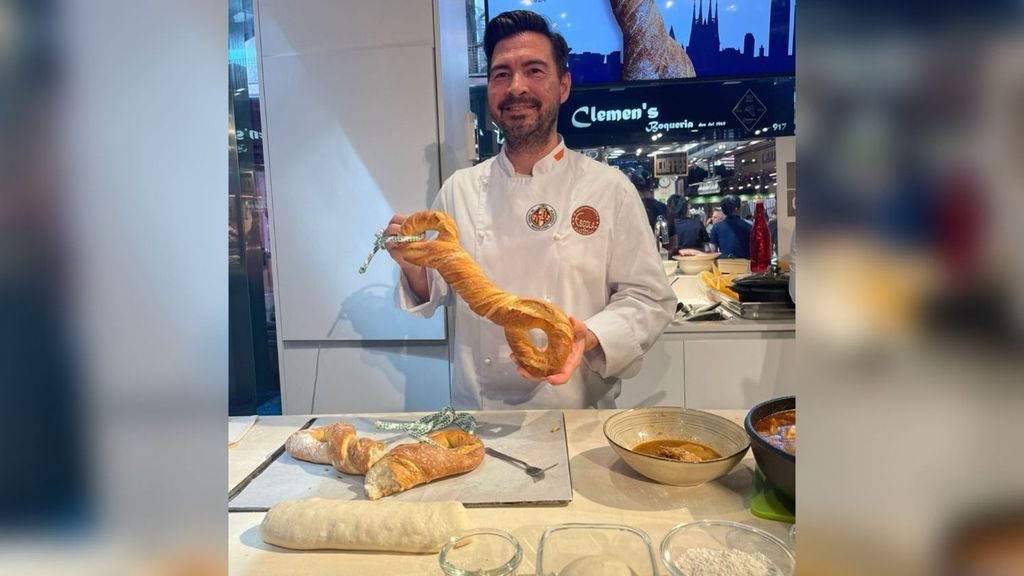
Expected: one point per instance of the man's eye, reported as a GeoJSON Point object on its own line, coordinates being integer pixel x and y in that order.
{"type": "Point", "coordinates": [498, 75]}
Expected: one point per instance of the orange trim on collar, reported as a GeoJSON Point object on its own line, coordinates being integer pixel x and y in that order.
{"type": "Point", "coordinates": [559, 155]}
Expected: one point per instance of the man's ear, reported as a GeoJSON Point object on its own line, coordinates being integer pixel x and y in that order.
{"type": "Point", "coordinates": [565, 84]}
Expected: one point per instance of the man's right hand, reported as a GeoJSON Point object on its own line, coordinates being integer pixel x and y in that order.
{"type": "Point", "coordinates": [416, 275]}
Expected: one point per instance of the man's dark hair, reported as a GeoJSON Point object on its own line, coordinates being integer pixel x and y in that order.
{"type": "Point", "coordinates": [678, 207]}
{"type": "Point", "coordinates": [508, 24]}
{"type": "Point", "coordinates": [730, 204]}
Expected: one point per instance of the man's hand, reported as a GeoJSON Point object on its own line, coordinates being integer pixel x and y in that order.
{"type": "Point", "coordinates": [583, 340]}
{"type": "Point", "coordinates": [416, 275]}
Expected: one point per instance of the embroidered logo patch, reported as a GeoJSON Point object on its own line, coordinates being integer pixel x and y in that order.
{"type": "Point", "coordinates": [541, 217]}
{"type": "Point", "coordinates": [585, 220]}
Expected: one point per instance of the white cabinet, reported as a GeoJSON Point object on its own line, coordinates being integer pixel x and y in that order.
{"type": "Point", "coordinates": [739, 370]}
{"type": "Point", "coordinates": [714, 370]}
{"type": "Point", "coordinates": [660, 380]}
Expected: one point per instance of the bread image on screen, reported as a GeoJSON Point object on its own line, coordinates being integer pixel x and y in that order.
{"type": "Point", "coordinates": [386, 526]}
{"type": "Point", "coordinates": [410, 465]}
{"type": "Point", "coordinates": [515, 314]}
{"type": "Point", "coordinates": [335, 444]}
{"type": "Point", "coordinates": [648, 52]}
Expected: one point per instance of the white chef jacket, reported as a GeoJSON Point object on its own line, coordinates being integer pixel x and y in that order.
{"type": "Point", "coordinates": [612, 278]}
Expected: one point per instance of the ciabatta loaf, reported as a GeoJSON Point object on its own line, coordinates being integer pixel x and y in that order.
{"type": "Point", "coordinates": [388, 526]}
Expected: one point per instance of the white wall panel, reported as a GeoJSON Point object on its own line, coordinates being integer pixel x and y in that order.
{"type": "Point", "coordinates": [351, 138]}
{"type": "Point", "coordinates": [303, 26]}
{"type": "Point", "coordinates": [359, 379]}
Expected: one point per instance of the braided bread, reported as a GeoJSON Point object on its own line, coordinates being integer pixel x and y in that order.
{"type": "Point", "coordinates": [410, 465]}
{"type": "Point", "coordinates": [336, 444]}
{"type": "Point", "coordinates": [648, 52]}
{"type": "Point", "coordinates": [516, 315]}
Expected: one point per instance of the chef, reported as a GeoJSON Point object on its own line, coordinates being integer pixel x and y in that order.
{"type": "Point", "coordinates": [544, 222]}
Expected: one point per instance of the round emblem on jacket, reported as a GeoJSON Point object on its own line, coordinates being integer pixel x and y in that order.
{"type": "Point", "coordinates": [585, 220]}
{"type": "Point", "coordinates": [541, 217]}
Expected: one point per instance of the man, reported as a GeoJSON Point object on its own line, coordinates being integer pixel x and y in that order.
{"type": "Point", "coordinates": [686, 232]}
{"type": "Point", "coordinates": [544, 222]}
{"type": "Point", "coordinates": [732, 234]}
{"type": "Point", "coordinates": [644, 185]}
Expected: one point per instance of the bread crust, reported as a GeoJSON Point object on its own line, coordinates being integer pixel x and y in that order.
{"type": "Point", "coordinates": [516, 315]}
{"type": "Point", "coordinates": [335, 444]}
{"type": "Point", "coordinates": [410, 465]}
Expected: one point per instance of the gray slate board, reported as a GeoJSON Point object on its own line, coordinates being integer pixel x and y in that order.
{"type": "Point", "coordinates": [536, 436]}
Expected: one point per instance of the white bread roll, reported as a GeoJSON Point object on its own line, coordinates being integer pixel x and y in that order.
{"type": "Point", "coordinates": [386, 526]}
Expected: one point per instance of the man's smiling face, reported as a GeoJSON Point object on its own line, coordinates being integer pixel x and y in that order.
{"type": "Point", "coordinates": [525, 89]}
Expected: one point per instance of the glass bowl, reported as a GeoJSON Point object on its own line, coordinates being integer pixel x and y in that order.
{"type": "Point", "coordinates": [719, 547]}
{"type": "Point", "coordinates": [588, 549]}
{"type": "Point", "coordinates": [481, 553]}
{"type": "Point", "coordinates": [626, 429]}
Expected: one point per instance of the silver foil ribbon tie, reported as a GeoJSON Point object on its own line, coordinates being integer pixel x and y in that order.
{"type": "Point", "coordinates": [380, 240]}
{"type": "Point", "coordinates": [439, 420]}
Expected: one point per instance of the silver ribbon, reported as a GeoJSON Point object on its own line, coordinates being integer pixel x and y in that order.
{"type": "Point", "coordinates": [380, 240]}
{"type": "Point", "coordinates": [439, 420]}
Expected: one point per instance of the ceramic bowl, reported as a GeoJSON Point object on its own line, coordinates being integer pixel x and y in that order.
{"type": "Point", "coordinates": [631, 427]}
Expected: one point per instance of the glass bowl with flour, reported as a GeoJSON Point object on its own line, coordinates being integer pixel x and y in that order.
{"type": "Point", "coordinates": [714, 547]}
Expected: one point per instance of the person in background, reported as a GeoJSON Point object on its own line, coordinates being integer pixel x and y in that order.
{"type": "Point", "coordinates": [715, 218]}
{"type": "Point", "coordinates": [684, 231]}
{"type": "Point", "coordinates": [732, 233]}
{"type": "Point", "coordinates": [652, 206]}
{"type": "Point", "coordinates": [543, 222]}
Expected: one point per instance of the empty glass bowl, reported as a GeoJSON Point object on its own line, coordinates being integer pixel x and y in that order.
{"type": "Point", "coordinates": [588, 549]}
{"type": "Point", "coordinates": [722, 547]}
{"type": "Point", "coordinates": [481, 553]}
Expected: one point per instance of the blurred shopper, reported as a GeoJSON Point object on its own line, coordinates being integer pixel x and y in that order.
{"type": "Point", "coordinates": [732, 234]}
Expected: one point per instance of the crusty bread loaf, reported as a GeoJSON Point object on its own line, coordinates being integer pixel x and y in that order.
{"type": "Point", "coordinates": [517, 315]}
{"type": "Point", "coordinates": [410, 465]}
{"type": "Point", "coordinates": [389, 526]}
{"type": "Point", "coordinates": [335, 444]}
{"type": "Point", "coordinates": [648, 52]}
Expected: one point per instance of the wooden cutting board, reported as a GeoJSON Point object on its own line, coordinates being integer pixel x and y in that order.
{"type": "Point", "coordinates": [536, 436]}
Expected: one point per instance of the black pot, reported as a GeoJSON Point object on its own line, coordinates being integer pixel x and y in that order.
{"type": "Point", "coordinates": [777, 465]}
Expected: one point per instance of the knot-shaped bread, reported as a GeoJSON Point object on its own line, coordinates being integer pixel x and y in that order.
{"type": "Point", "coordinates": [516, 315]}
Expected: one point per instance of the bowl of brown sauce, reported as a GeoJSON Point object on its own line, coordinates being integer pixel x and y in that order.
{"type": "Point", "coordinates": [677, 446]}
{"type": "Point", "coordinates": [771, 427]}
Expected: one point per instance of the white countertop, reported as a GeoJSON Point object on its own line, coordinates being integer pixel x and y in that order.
{"type": "Point", "coordinates": [604, 490]}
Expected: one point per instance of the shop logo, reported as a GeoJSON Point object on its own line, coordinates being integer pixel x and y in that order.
{"type": "Point", "coordinates": [541, 217]}
{"type": "Point", "coordinates": [585, 220]}
{"type": "Point", "coordinates": [749, 110]}
{"type": "Point", "coordinates": [585, 116]}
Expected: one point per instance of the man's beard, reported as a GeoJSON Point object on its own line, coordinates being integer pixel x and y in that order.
{"type": "Point", "coordinates": [531, 137]}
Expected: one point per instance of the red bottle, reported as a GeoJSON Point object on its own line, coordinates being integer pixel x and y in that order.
{"type": "Point", "coordinates": [760, 241]}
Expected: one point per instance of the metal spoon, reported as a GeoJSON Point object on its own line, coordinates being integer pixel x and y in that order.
{"type": "Point", "coordinates": [530, 470]}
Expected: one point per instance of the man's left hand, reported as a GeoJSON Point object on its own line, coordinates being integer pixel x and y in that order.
{"type": "Point", "coordinates": [582, 340]}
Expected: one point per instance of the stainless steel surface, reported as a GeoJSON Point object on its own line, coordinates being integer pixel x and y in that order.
{"type": "Point", "coordinates": [530, 470]}
{"type": "Point", "coordinates": [661, 231]}
{"type": "Point", "coordinates": [759, 310]}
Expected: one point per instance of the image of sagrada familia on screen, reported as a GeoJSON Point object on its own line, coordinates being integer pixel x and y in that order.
{"type": "Point", "coordinates": [650, 52]}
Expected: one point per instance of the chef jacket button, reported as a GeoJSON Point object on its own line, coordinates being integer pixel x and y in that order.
{"type": "Point", "coordinates": [548, 300]}
{"type": "Point", "coordinates": [480, 234]}
{"type": "Point", "coordinates": [487, 361]}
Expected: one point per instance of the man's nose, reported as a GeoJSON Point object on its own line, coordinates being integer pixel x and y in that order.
{"type": "Point", "coordinates": [518, 84]}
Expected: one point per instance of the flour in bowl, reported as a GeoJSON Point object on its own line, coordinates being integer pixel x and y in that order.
{"type": "Point", "coordinates": [711, 562]}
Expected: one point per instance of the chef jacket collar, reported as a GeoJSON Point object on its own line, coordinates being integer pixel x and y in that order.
{"type": "Point", "coordinates": [545, 165]}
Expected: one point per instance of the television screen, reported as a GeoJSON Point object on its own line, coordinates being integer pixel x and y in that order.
{"type": "Point", "coordinates": [644, 40]}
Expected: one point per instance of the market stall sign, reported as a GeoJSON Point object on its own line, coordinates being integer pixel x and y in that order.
{"type": "Point", "coordinates": [680, 111]}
